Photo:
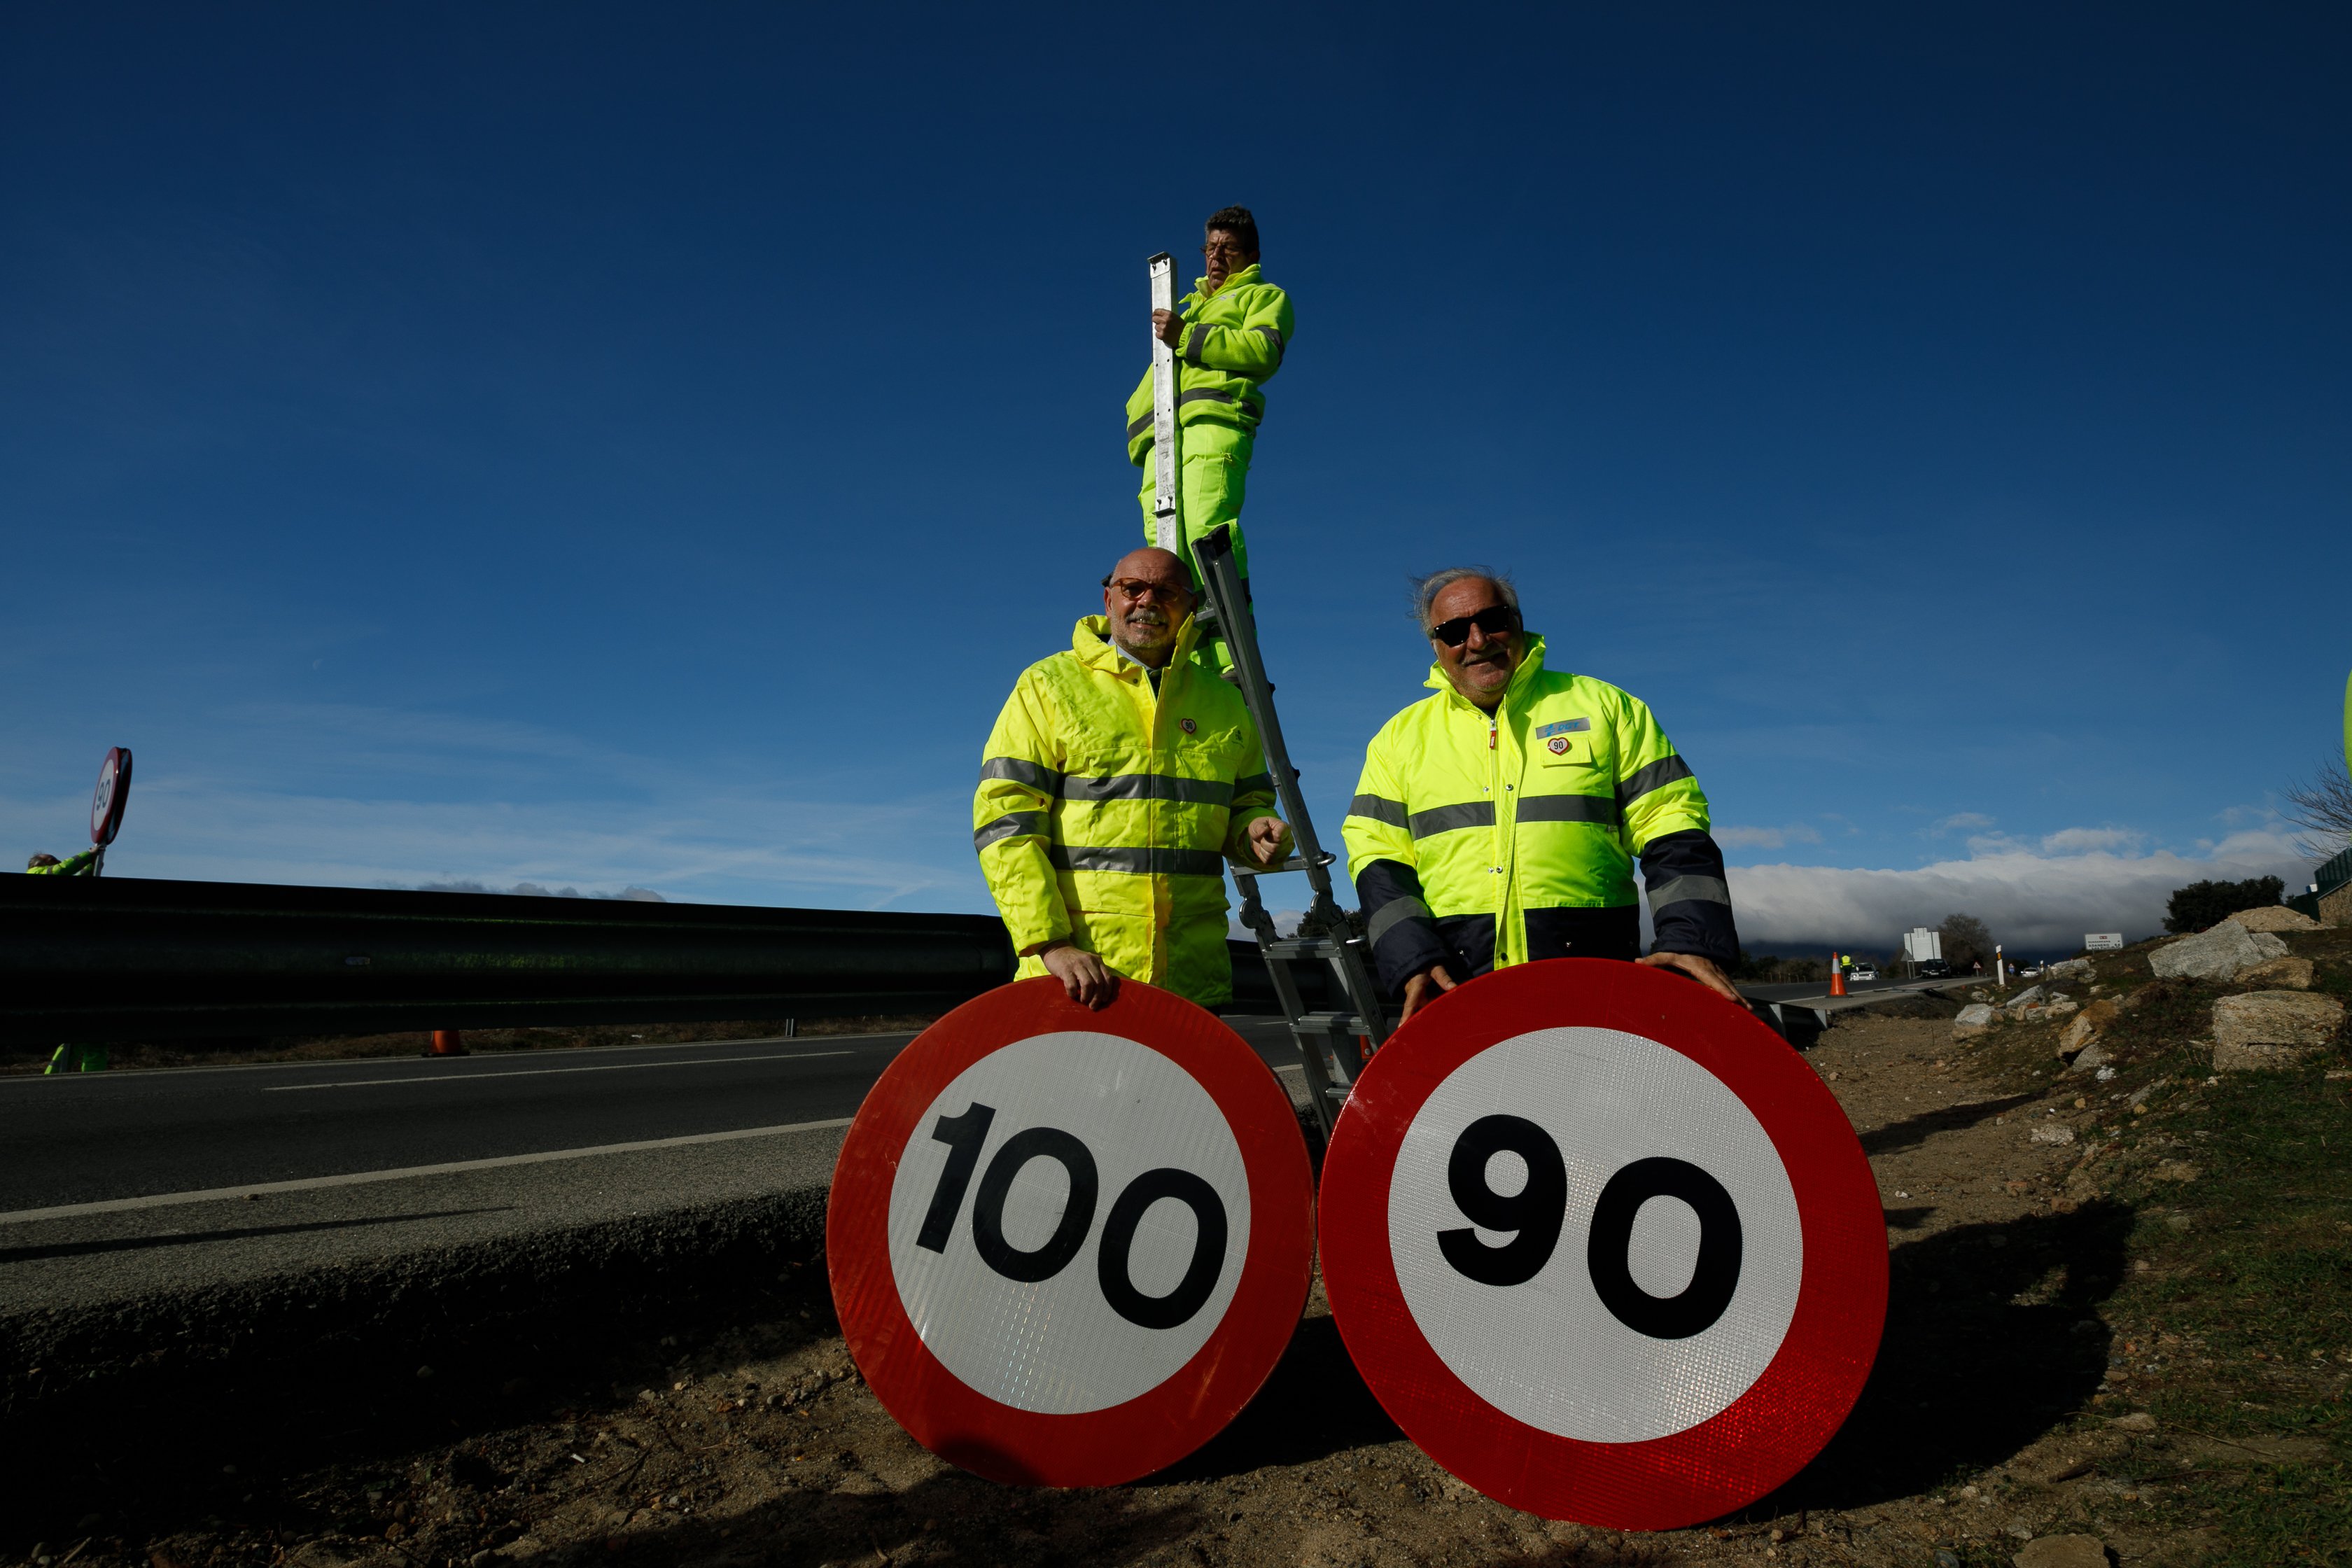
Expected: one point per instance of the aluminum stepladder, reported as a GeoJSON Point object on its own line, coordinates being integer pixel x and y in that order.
{"type": "Point", "coordinates": [1326, 1038]}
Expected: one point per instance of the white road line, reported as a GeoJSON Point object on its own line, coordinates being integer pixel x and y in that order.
{"type": "Point", "coordinates": [545, 1072]}
{"type": "Point", "coordinates": [361, 1178]}
{"type": "Point", "coordinates": [323, 1064]}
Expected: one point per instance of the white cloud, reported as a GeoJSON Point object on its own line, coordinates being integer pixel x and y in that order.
{"type": "Point", "coordinates": [2032, 899]}
{"type": "Point", "coordinates": [1958, 821]}
{"type": "Point", "coordinates": [2084, 840]}
{"type": "Point", "coordinates": [1765, 837]}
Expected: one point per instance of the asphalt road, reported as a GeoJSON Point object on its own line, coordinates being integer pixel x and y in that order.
{"type": "Point", "coordinates": [88, 1137]}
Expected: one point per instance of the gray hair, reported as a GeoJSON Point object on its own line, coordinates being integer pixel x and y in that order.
{"type": "Point", "coordinates": [1426, 589]}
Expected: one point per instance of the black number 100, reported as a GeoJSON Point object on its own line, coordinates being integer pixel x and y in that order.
{"type": "Point", "coordinates": [1536, 1211]}
{"type": "Point", "coordinates": [966, 1134]}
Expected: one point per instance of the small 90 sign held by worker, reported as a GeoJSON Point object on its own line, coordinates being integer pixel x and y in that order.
{"type": "Point", "coordinates": [1120, 779]}
{"type": "Point", "coordinates": [1229, 336]}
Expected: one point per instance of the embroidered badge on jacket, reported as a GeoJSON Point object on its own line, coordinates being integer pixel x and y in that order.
{"type": "Point", "coordinates": [1557, 745]}
{"type": "Point", "coordinates": [1186, 725]}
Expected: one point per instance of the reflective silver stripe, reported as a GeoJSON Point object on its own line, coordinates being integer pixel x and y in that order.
{"type": "Point", "coordinates": [1148, 786]}
{"type": "Point", "coordinates": [1597, 808]}
{"type": "Point", "coordinates": [1691, 890]}
{"type": "Point", "coordinates": [1137, 426]}
{"type": "Point", "coordinates": [1254, 784]}
{"type": "Point", "coordinates": [1036, 775]}
{"type": "Point", "coordinates": [1192, 344]}
{"type": "Point", "coordinates": [1379, 808]}
{"type": "Point", "coordinates": [1451, 819]}
{"type": "Point", "coordinates": [1273, 337]}
{"type": "Point", "coordinates": [1006, 826]}
{"type": "Point", "coordinates": [1392, 915]}
{"type": "Point", "coordinates": [1657, 775]}
{"type": "Point", "coordinates": [1137, 862]}
{"type": "Point", "coordinates": [1205, 394]}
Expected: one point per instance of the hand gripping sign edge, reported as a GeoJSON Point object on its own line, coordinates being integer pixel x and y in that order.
{"type": "Point", "coordinates": [1156, 1427]}
{"type": "Point", "coordinates": [1733, 1455]}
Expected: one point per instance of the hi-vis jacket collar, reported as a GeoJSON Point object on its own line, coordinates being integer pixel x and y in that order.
{"type": "Point", "coordinates": [1090, 640]}
{"type": "Point", "coordinates": [1249, 274]}
{"type": "Point", "coordinates": [1530, 666]}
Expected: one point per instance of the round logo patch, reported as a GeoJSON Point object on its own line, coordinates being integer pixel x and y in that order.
{"type": "Point", "coordinates": [1186, 725]}
{"type": "Point", "coordinates": [1557, 745]}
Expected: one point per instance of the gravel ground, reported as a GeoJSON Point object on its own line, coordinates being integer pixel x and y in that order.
{"type": "Point", "coordinates": [743, 1435]}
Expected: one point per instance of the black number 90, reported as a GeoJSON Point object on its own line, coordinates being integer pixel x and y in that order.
{"type": "Point", "coordinates": [1536, 1211]}
{"type": "Point", "coordinates": [964, 1135]}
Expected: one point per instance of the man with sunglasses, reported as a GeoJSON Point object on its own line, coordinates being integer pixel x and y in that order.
{"type": "Point", "coordinates": [1120, 778]}
{"type": "Point", "coordinates": [1498, 821]}
{"type": "Point", "coordinates": [1229, 335]}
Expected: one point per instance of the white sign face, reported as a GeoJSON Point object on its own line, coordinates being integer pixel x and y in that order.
{"type": "Point", "coordinates": [1068, 1221]}
{"type": "Point", "coordinates": [2104, 942]}
{"type": "Point", "coordinates": [1595, 1235]}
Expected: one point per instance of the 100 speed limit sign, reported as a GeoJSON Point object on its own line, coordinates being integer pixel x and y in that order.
{"type": "Point", "coordinates": [1067, 1246]}
{"type": "Point", "coordinates": [1603, 1245]}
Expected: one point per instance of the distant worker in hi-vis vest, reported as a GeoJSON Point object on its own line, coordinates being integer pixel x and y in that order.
{"type": "Point", "coordinates": [1497, 820]}
{"type": "Point", "coordinates": [1228, 335]}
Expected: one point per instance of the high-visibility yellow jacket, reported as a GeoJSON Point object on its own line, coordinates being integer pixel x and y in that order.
{"type": "Point", "coordinates": [72, 866]}
{"type": "Point", "coordinates": [1233, 342]}
{"type": "Point", "coordinates": [1107, 811]}
{"type": "Point", "coordinates": [1482, 841]}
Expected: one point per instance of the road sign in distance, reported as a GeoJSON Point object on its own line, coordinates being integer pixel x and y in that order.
{"type": "Point", "coordinates": [1067, 1246]}
{"type": "Point", "coordinates": [1602, 1245]}
{"type": "Point", "coordinates": [112, 795]}
{"type": "Point", "coordinates": [2104, 942]}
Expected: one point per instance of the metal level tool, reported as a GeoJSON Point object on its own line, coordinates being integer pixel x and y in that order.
{"type": "Point", "coordinates": [1168, 529]}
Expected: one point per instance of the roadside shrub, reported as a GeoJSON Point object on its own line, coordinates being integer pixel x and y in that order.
{"type": "Point", "coordinates": [2203, 904]}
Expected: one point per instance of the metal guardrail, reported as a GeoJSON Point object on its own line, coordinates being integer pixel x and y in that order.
{"type": "Point", "coordinates": [120, 958]}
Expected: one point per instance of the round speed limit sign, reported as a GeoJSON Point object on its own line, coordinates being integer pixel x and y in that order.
{"type": "Point", "coordinates": [1602, 1245]}
{"type": "Point", "coordinates": [1067, 1246]}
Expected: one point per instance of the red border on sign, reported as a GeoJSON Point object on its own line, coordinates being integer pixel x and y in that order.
{"type": "Point", "coordinates": [114, 781]}
{"type": "Point", "coordinates": [1753, 1445]}
{"type": "Point", "coordinates": [1153, 1430]}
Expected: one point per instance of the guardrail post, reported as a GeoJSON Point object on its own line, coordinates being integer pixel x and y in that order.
{"type": "Point", "coordinates": [448, 1043]}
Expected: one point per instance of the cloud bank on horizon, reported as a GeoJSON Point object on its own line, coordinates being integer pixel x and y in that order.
{"type": "Point", "coordinates": [2037, 897]}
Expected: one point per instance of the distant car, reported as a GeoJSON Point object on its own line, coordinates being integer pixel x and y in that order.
{"type": "Point", "coordinates": [2033, 973]}
{"type": "Point", "coordinates": [1934, 968]}
{"type": "Point", "coordinates": [1861, 972]}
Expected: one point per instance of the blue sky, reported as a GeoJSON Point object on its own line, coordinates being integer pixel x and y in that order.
{"type": "Point", "coordinates": [610, 447]}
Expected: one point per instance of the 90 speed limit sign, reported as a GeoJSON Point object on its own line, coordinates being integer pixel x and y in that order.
{"type": "Point", "coordinates": [1067, 1246]}
{"type": "Point", "coordinates": [1602, 1245]}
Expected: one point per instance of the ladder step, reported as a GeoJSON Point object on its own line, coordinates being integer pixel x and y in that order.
{"type": "Point", "coordinates": [1332, 1025]}
{"type": "Point", "coordinates": [1303, 947]}
{"type": "Point", "coordinates": [1296, 863]}
{"type": "Point", "coordinates": [1338, 1091]}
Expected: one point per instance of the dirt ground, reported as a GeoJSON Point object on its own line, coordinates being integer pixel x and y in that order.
{"type": "Point", "coordinates": [2007, 1406]}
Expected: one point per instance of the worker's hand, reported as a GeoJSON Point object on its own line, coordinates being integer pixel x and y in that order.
{"type": "Point", "coordinates": [1423, 989]}
{"type": "Point", "coordinates": [1085, 977]}
{"type": "Point", "coordinates": [1268, 838]}
{"type": "Point", "coordinates": [1167, 326]}
{"type": "Point", "coordinates": [1702, 969]}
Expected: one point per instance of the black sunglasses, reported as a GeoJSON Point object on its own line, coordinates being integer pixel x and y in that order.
{"type": "Point", "coordinates": [1494, 620]}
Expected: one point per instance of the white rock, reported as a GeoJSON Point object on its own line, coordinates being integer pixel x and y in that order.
{"type": "Point", "coordinates": [1974, 1019]}
{"type": "Point", "coordinates": [2217, 954]}
{"type": "Point", "coordinates": [2052, 1132]}
{"type": "Point", "coordinates": [2071, 969]}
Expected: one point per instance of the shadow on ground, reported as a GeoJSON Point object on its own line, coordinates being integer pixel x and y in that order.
{"type": "Point", "coordinates": [1991, 1340]}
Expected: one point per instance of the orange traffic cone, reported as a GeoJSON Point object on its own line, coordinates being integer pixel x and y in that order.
{"type": "Point", "coordinates": [1837, 976]}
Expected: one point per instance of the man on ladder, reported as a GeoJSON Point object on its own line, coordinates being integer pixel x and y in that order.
{"type": "Point", "coordinates": [1221, 342]}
